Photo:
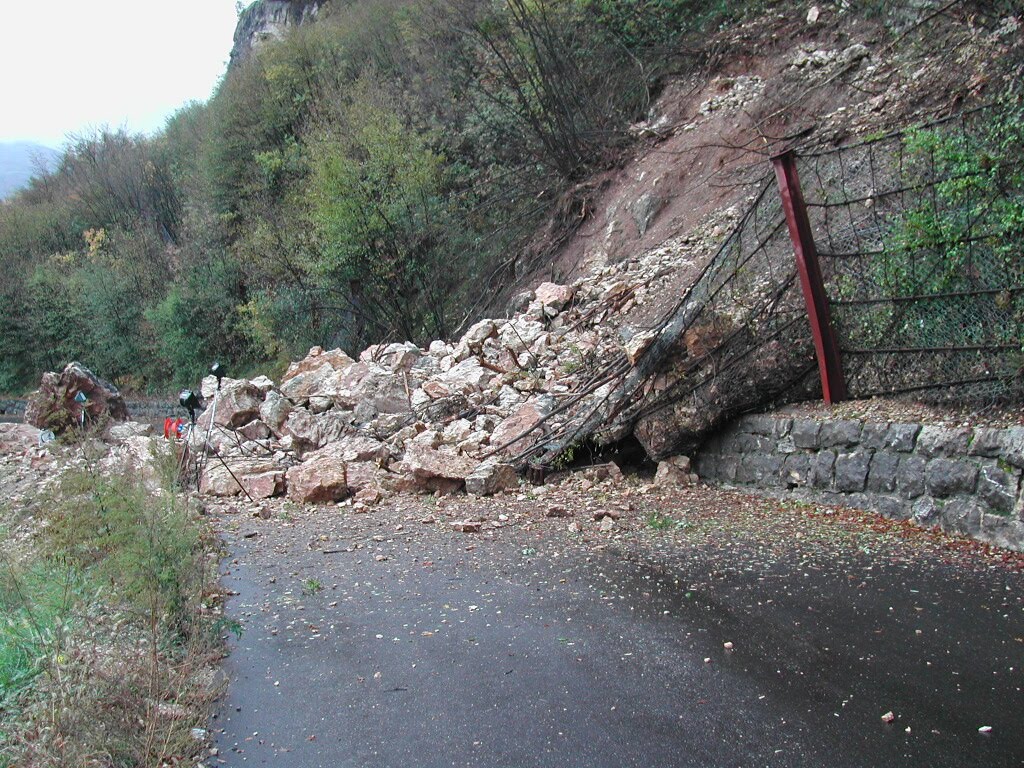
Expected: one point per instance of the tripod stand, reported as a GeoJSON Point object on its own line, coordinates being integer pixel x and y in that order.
{"type": "Point", "coordinates": [192, 464]}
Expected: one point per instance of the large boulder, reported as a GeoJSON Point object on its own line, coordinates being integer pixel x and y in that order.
{"type": "Point", "coordinates": [362, 448]}
{"type": "Point", "coordinates": [264, 485]}
{"type": "Point", "coordinates": [554, 295]}
{"type": "Point", "coordinates": [475, 337]}
{"type": "Point", "coordinates": [394, 357]}
{"type": "Point", "coordinates": [259, 478]}
{"type": "Point", "coordinates": [468, 376]}
{"type": "Point", "coordinates": [310, 376]}
{"type": "Point", "coordinates": [491, 477]}
{"type": "Point", "coordinates": [334, 425]}
{"type": "Point", "coordinates": [236, 404]}
{"type": "Point", "coordinates": [309, 432]}
{"type": "Point", "coordinates": [264, 384]}
{"type": "Point", "coordinates": [338, 470]}
{"type": "Point", "coordinates": [254, 431]}
{"type": "Point", "coordinates": [304, 430]}
{"type": "Point", "coordinates": [675, 470]}
{"type": "Point", "coordinates": [320, 479]}
{"type": "Point", "coordinates": [429, 469]}
{"type": "Point", "coordinates": [521, 334]}
{"type": "Point", "coordinates": [372, 389]}
{"type": "Point", "coordinates": [53, 405]}
{"type": "Point", "coordinates": [274, 411]}
{"type": "Point", "coordinates": [366, 475]}
{"type": "Point", "coordinates": [522, 420]}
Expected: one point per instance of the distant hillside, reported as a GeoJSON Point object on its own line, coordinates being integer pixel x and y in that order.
{"type": "Point", "coordinates": [19, 161]}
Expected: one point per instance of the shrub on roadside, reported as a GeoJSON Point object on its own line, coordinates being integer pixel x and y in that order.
{"type": "Point", "coordinates": [109, 638]}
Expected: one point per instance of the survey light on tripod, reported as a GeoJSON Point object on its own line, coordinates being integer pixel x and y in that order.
{"type": "Point", "coordinates": [219, 372]}
{"type": "Point", "coordinates": [189, 401]}
{"type": "Point", "coordinates": [82, 400]}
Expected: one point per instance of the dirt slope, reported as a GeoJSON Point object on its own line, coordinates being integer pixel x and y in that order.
{"type": "Point", "coordinates": [776, 82]}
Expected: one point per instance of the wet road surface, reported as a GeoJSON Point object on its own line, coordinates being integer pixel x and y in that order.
{"type": "Point", "coordinates": [707, 629]}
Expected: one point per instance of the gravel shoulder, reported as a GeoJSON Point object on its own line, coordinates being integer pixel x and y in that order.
{"type": "Point", "coordinates": [701, 627]}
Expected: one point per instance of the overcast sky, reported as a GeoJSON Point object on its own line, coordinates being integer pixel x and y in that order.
{"type": "Point", "coordinates": [70, 65]}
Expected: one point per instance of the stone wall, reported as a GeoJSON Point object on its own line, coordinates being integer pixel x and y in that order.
{"type": "Point", "coordinates": [11, 407]}
{"type": "Point", "coordinates": [965, 480]}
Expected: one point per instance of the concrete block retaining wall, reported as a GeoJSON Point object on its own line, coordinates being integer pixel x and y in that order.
{"type": "Point", "coordinates": [966, 480]}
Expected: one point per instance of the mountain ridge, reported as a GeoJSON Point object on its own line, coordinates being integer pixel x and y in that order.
{"type": "Point", "coordinates": [20, 161]}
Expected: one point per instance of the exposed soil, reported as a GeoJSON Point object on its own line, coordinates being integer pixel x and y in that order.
{"type": "Point", "coordinates": [750, 92]}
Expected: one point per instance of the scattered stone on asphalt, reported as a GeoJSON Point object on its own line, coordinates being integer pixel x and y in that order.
{"type": "Point", "coordinates": [520, 637]}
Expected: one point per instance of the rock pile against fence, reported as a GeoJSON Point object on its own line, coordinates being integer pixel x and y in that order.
{"type": "Point", "coordinates": [437, 420]}
{"type": "Point", "coordinates": [468, 414]}
{"type": "Point", "coordinates": [402, 418]}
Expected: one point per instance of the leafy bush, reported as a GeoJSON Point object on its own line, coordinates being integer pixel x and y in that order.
{"type": "Point", "coordinates": [374, 175]}
{"type": "Point", "coordinates": [641, 24]}
{"type": "Point", "coordinates": [937, 296]}
{"type": "Point", "coordinates": [965, 234]}
{"type": "Point", "coordinates": [390, 234]}
{"type": "Point", "coordinates": [199, 321]}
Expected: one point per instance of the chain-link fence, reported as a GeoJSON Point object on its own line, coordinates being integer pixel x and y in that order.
{"type": "Point", "coordinates": [920, 235]}
{"type": "Point", "coordinates": [739, 336]}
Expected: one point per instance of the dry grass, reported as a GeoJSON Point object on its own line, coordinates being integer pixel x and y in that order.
{"type": "Point", "coordinates": [112, 628]}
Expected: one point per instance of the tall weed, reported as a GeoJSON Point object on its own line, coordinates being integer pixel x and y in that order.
{"type": "Point", "coordinates": [36, 609]}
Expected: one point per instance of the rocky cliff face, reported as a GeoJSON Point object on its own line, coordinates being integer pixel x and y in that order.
{"type": "Point", "coordinates": [269, 20]}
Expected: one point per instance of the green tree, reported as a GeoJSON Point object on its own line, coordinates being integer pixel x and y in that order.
{"type": "Point", "coordinates": [57, 321]}
{"type": "Point", "coordinates": [382, 210]}
{"type": "Point", "coordinates": [198, 321]}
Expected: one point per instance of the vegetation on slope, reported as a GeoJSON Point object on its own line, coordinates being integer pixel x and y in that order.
{"type": "Point", "coordinates": [374, 175]}
{"type": "Point", "coordinates": [382, 174]}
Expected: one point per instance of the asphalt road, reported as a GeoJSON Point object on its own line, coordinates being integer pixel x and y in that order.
{"type": "Point", "coordinates": [377, 640]}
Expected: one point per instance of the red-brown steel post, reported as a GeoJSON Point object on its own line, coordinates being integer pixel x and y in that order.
{"type": "Point", "coordinates": [830, 366]}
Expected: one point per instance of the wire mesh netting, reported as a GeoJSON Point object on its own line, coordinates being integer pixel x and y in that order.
{"type": "Point", "coordinates": [738, 335]}
{"type": "Point", "coordinates": [920, 236]}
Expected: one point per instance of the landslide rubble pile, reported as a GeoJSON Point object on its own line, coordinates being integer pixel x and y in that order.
{"type": "Point", "coordinates": [465, 415]}
{"type": "Point", "coordinates": [436, 420]}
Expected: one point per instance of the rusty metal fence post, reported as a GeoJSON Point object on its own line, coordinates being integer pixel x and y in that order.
{"type": "Point", "coordinates": [830, 367]}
